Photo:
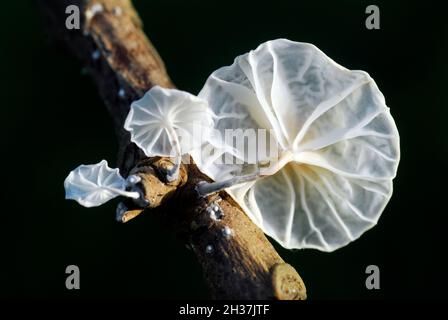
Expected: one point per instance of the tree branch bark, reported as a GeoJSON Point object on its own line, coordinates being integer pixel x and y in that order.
{"type": "Point", "coordinates": [237, 259]}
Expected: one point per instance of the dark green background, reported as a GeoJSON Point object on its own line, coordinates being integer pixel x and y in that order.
{"type": "Point", "coordinates": [52, 120]}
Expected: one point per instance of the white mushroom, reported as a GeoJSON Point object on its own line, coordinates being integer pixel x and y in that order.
{"type": "Point", "coordinates": [94, 184]}
{"type": "Point", "coordinates": [337, 144]}
{"type": "Point", "coordinates": [169, 123]}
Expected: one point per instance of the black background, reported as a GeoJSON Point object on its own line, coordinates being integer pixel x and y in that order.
{"type": "Point", "coordinates": [53, 120]}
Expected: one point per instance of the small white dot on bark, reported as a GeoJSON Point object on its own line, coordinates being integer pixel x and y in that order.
{"type": "Point", "coordinates": [96, 54]}
{"type": "Point", "coordinates": [209, 249]}
{"type": "Point", "coordinates": [121, 93]}
{"type": "Point", "coordinates": [117, 11]}
{"type": "Point", "coordinates": [227, 232]}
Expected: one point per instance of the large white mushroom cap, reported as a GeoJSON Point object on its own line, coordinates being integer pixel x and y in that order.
{"type": "Point", "coordinates": [337, 143]}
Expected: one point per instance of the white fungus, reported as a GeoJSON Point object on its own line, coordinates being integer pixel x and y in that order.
{"type": "Point", "coordinates": [227, 232]}
{"type": "Point", "coordinates": [337, 144]}
{"type": "Point", "coordinates": [121, 93]}
{"type": "Point", "coordinates": [92, 185]}
{"type": "Point", "coordinates": [209, 249]}
{"type": "Point", "coordinates": [336, 141]}
{"type": "Point", "coordinates": [215, 212]}
{"type": "Point", "coordinates": [133, 179]}
{"type": "Point", "coordinates": [169, 123]}
{"type": "Point", "coordinates": [96, 54]}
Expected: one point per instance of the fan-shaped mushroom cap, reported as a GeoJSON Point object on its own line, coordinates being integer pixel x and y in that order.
{"type": "Point", "coordinates": [163, 118]}
{"type": "Point", "coordinates": [94, 184]}
{"type": "Point", "coordinates": [338, 144]}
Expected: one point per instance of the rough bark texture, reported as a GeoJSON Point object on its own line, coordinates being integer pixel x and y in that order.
{"type": "Point", "coordinates": [237, 259]}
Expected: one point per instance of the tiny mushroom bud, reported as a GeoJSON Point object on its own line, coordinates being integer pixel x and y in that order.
{"type": "Point", "coordinates": [133, 179]}
{"type": "Point", "coordinates": [215, 212]}
{"type": "Point", "coordinates": [209, 249]}
{"type": "Point", "coordinates": [326, 175]}
{"type": "Point", "coordinates": [169, 122]}
{"type": "Point", "coordinates": [96, 54]}
{"type": "Point", "coordinates": [121, 93]}
{"type": "Point", "coordinates": [92, 185]}
{"type": "Point", "coordinates": [227, 232]}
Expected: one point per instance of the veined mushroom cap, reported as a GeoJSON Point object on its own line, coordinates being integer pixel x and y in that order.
{"type": "Point", "coordinates": [94, 184]}
{"type": "Point", "coordinates": [338, 145]}
{"type": "Point", "coordinates": [163, 116]}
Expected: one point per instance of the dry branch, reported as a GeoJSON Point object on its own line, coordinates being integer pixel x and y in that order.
{"type": "Point", "coordinates": [237, 259]}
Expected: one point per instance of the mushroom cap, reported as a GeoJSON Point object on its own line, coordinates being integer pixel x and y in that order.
{"type": "Point", "coordinates": [163, 116]}
{"type": "Point", "coordinates": [338, 145]}
{"type": "Point", "coordinates": [94, 184]}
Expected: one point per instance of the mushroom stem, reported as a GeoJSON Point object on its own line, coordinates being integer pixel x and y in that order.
{"type": "Point", "coordinates": [278, 165]}
{"type": "Point", "coordinates": [173, 173]}
{"type": "Point", "coordinates": [207, 188]}
{"type": "Point", "coordinates": [129, 194]}
{"type": "Point", "coordinates": [132, 186]}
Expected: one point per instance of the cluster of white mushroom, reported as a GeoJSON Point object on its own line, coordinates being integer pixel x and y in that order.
{"type": "Point", "coordinates": [338, 146]}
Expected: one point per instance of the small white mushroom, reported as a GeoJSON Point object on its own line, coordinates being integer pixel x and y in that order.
{"type": "Point", "coordinates": [227, 232]}
{"type": "Point", "coordinates": [169, 123]}
{"type": "Point", "coordinates": [215, 213]}
{"type": "Point", "coordinates": [133, 179]}
{"type": "Point", "coordinates": [209, 249]}
{"type": "Point", "coordinates": [121, 93]}
{"type": "Point", "coordinates": [335, 141]}
{"type": "Point", "coordinates": [96, 54]}
{"type": "Point", "coordinates": [93, 185]}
